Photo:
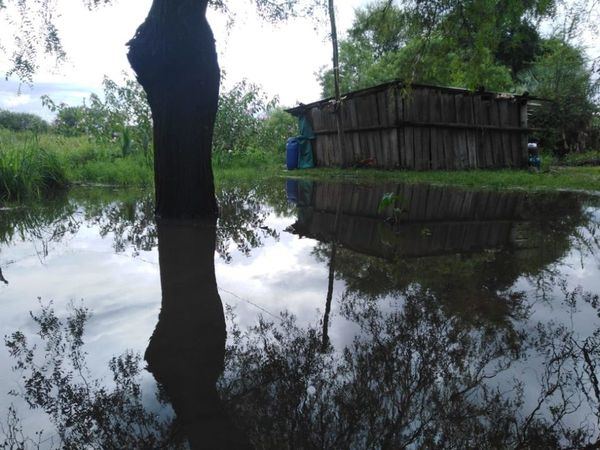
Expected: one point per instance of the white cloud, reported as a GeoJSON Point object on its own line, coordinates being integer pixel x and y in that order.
{"type": "Point", "coordinates": [283, 59]}
{"type": "Point", "coordinates": [9, 101]}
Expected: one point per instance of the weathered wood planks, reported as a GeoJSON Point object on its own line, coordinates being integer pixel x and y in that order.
{"type": "Point", "coordinates": [421, 128]}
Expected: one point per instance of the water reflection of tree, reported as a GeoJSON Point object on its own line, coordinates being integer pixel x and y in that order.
{"type": "Point", "coordinates": [85, 412]}
{"type": "Point", "coordinates": [187, 349]}
{"type": "Point", "coordinates": [242, 218]}
{"type": "Point", "coordinates": [128, 218]}
{"type": "Point", "coordinates": [422, 373]}
{"type": "Point", "coordinates": [414, 377]}
{"type": "Point", "coordinates": [477, 284]}
{"type": "Point", "coordinates": [49, 222]}
{"type": "Point", "coordinates": [40, 224]}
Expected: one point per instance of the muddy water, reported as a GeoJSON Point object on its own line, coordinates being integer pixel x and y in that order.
{"type": "Point", "coordinates": [311, 315]}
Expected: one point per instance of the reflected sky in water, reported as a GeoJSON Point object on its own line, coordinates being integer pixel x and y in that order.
{"type": "Point", "coordinates": [488, 266]}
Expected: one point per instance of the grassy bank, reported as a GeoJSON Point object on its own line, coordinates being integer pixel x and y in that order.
{"type": "Point", "coordinates": [554, 178]}
{"type": "Point", "coordinates": [33, 164]}
{"type": "Point", "coordinates": [27, 167]}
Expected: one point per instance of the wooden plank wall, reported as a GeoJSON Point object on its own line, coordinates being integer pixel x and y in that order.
{"type": "Point", "coordinates": [454, 220]}
{"type": "Point", "coordinates": [424, 128]}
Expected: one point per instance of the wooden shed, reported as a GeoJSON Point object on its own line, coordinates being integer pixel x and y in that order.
{"type": "Point", "coordinates": [420, 127]}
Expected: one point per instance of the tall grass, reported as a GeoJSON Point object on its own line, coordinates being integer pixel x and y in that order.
{"type": "Point", "coordinates": [31, 165]}
{"type": "Point", "coordinates": [28, 169]}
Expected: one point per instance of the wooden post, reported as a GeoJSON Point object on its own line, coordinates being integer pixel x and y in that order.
{"type": "Point", "coordinates": [336, 83]}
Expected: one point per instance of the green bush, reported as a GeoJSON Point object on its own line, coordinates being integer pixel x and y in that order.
{"type": "Point", "coordinates": [275, 129]}
{"type": "Point", "coordinates": [250, 130]}
{"type": "Point", "coordinates": [123, 117]}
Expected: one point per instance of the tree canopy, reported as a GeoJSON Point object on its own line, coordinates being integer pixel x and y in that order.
{"type": "Point", "coordinates": [497, 44]}
{"type": "Point", "coordinates": [466, 43]}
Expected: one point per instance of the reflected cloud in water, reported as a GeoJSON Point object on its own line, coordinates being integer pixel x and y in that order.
{"type": "Point", "coordinates": [426, 324]}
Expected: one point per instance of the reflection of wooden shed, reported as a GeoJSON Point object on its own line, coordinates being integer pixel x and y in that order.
{"type": "Point", "coordinates": [433, 220]}
{"type": "Point", "coordinates": [422, 127]}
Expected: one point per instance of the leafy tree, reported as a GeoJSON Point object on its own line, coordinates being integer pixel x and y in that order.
{"type": "Point", "coordinates": [561, 75]}
{"type": "Point", "coordinates": [15, 121]}
{"type": "Point", "coordinates": [471, 43]}
{"type": "Point", "coordinates": [239, 120]}
{"type": "Point", "coordinates": [130, 113]}
{"type": "Point", "coordinates": [276, 127]}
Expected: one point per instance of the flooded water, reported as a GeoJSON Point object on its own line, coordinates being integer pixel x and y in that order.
{"type": "Point", "coordinates": [312, 315]}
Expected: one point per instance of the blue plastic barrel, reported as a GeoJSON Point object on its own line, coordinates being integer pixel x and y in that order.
{"type": "Point", "coordinates": [291, 149]}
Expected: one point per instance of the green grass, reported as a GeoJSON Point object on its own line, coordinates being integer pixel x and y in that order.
{"type": "Point", "coordinates": [31, 165]}
{"type": "Point", "coordinates": [554, 178]}
{"type": "Point", "coordinates": [590, 158]}
{"type": "Point", "coordinates": [27, 168]}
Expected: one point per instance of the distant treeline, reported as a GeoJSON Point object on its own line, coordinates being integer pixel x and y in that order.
{"type": "Point", "coordinates": [17, 121]}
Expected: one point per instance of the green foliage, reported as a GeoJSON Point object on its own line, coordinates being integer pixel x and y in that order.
{"type": "Point", "coordinates": [561, 74]}
{"type": "Point", "coordinates": [28, 169]}
{"type": "Point", "coordinates": [130, 114]}
{"type": "Point", "coordinates": [470, 44]}
{"type": "Point", "coordinates": [388, 204]}
{"type": "Point", "coordinates": [590, 158]}
{"type": "Point", "coordinates": [238, 118]}
{"type": "Point", "coordinates": [124, 116]}
{"type": "Point", "coordinates": [15, 121]}
{"type": "Point", "coordinates": [31, 165]}
{"type": "Point", "coordinates": [275, 129]}
{"type": "Point", "coordinates": [250, 128]}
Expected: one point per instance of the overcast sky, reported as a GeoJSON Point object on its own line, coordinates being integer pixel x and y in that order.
{"type": "Point", "coordinates": [282, 59]}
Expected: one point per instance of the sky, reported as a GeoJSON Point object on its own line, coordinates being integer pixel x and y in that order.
{"type": "Point", "coordinates": [283, 59]}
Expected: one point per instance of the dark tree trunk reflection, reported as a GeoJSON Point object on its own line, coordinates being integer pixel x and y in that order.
{"type": "Point", "coordinates": [187, 349]}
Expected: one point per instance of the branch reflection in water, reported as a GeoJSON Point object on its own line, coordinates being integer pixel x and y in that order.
{"type": "Point", "coordinates": [425, 371]}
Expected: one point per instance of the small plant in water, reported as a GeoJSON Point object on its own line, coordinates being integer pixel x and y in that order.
{"type": "Point", "coordinates": [390, 200]}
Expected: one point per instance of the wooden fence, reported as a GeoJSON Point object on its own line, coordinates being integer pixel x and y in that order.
{"type": "Point", "coordinates": [422, 128]}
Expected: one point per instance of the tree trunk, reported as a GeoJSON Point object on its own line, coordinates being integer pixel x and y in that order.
{"type": "Point", "coordinates": [173, 54]}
